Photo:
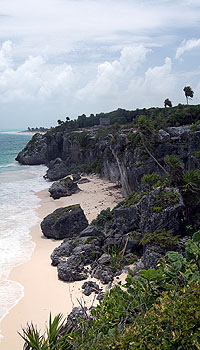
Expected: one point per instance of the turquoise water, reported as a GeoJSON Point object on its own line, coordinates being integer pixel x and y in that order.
{"type": "Point", "coordinates": [18, 204]}
{"type": "Point", "coordinates": [10, 145]}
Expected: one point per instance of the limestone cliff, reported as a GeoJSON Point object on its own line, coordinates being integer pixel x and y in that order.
{"type": "Point", "coordinates": [119, 156]}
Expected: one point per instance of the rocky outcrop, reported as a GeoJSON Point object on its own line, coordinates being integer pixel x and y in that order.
{"type": "Point", "coordinates": [63, 188]}
{"type": "Point", "coordinates": [89, 287]}
{"type": "Point", "coordinates": [35, 152]}
{"type": "Point", "coordinates": [64, 222]}
{"type": "Point", "coordinates": [119, 158]}
{"type": "Point", "coordinates": [57, 170]}
{"type": "Point", "coordinates": [125, 237]}
{"type": "Point", "coordinates": [72, 270]}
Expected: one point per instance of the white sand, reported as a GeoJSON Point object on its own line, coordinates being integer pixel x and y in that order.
{"type": "Point", "coordinates": [43, 292]}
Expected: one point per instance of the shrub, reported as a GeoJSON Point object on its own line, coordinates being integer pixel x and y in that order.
{"type": "Point", "coordinates": [153, 180]}
{"type": "Point", "coordinates": [161, 238]}
{"type": "Point", "coordinates": [133, 198]}
{"type": "Point", "coordinates": [105, 216]}
{"type": "Point", "coordinates": [165, 199]}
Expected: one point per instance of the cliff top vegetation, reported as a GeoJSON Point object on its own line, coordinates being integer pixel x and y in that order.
{"type": "Point", "coordinates": [122, 118]}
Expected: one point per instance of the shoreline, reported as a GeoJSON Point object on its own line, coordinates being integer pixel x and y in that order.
{"type": "Point", "coordinates": [43, 292]}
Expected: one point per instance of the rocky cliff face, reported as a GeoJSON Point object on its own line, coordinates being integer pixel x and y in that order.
{"type": "Point", "coordinates": [118, 157]}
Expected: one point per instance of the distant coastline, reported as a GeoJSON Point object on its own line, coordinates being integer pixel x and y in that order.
{"type": "Point", "coordinates": [23, 132]}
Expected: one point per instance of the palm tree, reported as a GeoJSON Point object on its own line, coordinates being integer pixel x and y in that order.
{"type": "Point", "coordinates": [168, 103]}
{"type": "Point", "coordinates": [188, 93]}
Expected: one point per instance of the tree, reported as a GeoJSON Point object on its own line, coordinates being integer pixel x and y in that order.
{"type": "Point", "coordinates": [167, 102]}
{"type": "Point", "coordinates": [60, 122]}
{"type": "Point", "coordinates": [67, 119]}
{"type": "Point", "coordinates": [188, 93]}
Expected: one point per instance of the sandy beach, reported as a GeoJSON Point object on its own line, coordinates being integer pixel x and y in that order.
{"type": "Point", "coordinates": [43, 292]}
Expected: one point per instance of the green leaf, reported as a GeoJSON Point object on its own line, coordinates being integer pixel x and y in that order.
{"type": "Point", "coordinates": [196, 237]}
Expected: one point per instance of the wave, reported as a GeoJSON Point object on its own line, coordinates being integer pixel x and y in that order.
{"type": "Point", "coordinates": [18, 202]}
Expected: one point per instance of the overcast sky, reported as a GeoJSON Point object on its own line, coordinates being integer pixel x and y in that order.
{"type": "Point", "coordinates": [63, 58]}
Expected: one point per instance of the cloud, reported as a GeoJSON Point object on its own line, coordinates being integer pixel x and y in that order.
{"type": "Point", "coordinates": [151, 89]}
{"type": "Point", "coordinates": [187, 46]}
{"type": "Point", "coordinates": [6, 55]}
{"type": "Point", "coordinates": [112, 76]}
{"type": "Point", "coordinates": [33, 79]}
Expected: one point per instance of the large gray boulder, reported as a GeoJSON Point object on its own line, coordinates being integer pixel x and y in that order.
{"type": "Point", "coordinates": [63, 188]}
{"type": "Point", "coordinates": [64, 222]}
{"type": "Point", "coordinates": [72, 270]}
{"type": "Point", "coordinates": [57, 171]}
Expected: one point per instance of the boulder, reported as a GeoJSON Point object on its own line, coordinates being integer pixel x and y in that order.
{"type": "Point", "coordinates": [72, 270]}
{"type": "Point", "coordinates": [163, 135]}
{"type": "Point", "coordinates": [64, 222]}
{"type": "Point", "coordinates": [76, 177]}
{"type": "Point", "coordinates": [89, 287]}
{"type": "Point", "coordinates": [103, 273]}
{"type": "Point", "coordinates": [57, 171]}
{"type": "Point", "coordinates": [83, 180]}
{"type": "Point", "coordinates": [91, 230]}
{"type": "Point", "coordinates": [64, 250]}
{"type": "Point", "coordinates": [104, 259]}
{"type": "Point", "coordinates": [73, 319]}
{"type": "Point", "coordinates": [63, 188]}
{"type": "Point", "coordinates": [150, 258]}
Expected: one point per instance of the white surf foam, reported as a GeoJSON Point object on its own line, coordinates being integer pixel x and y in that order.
{"type": "Point", "coordinates": [18, 202]}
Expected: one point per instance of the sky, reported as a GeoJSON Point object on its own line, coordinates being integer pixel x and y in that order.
{"type": "Point", "coordinates": [62, 58]}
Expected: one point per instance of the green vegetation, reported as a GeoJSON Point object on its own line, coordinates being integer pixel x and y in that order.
{"type": "Point", "coordinates": [156, 309]}
{"type": "Point", "coordinates": [133, 198]}
{"type": "Point", "coordinates": [194, 127]}
{"type": "Point", "coordinates": [188, 93]}
{"type": "Point", "coordinates": [67, 180]}
{"type": "Point", "coordinates": [197, 154]}
{"type": "Point", "coordinates": [65, 210]}
{"type": "Point", "coordinates": [175, 169]}
{"type": "Point", "coordinates": [191, 187]}
{"type": "Point", "coordinates": [160, 238]}
{"type": "Point", "coordinates": [165, 199]}
{"type": "Point", "coordinates": [105, 216]}
{"type": "Point", "coordinates": [153, 180]}
{"type": "Point", "coordinates": [167, 103]}
{"type": "Point", "coordinates": [121, 118]}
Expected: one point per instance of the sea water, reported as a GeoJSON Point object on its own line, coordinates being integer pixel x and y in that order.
{"type": "Point", "coordinates": [18, 202]}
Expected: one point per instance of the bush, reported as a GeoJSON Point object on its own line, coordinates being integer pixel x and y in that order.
{"type": "Point", "coordinates": [104, 217]}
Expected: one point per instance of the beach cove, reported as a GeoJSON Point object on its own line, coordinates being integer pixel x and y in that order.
{"type": "Point", "coordinates": [43, 292]}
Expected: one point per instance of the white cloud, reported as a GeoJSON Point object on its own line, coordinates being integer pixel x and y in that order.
{"type": "Point", "coordinates": [6, 55]}
{"type": "Point", "coordinates": [33, 79]}
{"type": "Point", "coordinates": [187, 46]}
{"type": "Point", "coordinates": [151, 89]}
{"type": "Point", "coordinates": [112, 76]}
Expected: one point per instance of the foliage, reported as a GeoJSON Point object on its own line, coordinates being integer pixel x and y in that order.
{"type": "Point", "coordinates": [65, 210]}
{"type": "Point", "coordinates": [156, 309]}
{"type": "Point", "coordinates": [167, 103]}
{"type": "Point", "coordinates": [191, 187]}
{"type": "Point", "coordinates": [153, 180]}
{"type": "Point", "coordinates": [161, 238]}
{"type": "Point", "coordinates": [48, 341]}
{"type": "Point", "coordinates": [188, 93]}
{"type": "Point", "coordinates": [105, 216]}
{"type": "Point", "coordinates": [165, 199]}
{"type": "Point", "coordinates": [197, 154]}
{"type": "Point", "coordinates": [133, 198]}
{"type": "Point", "coordinates": [115, 257]}
{"type": "Point", "coordinates": [175, 169]}
{"type": "Point", "coordinates": [172, 323]}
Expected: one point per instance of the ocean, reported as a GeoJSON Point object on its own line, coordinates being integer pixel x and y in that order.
{"type": "Point", "coordinates": [18, 202]}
